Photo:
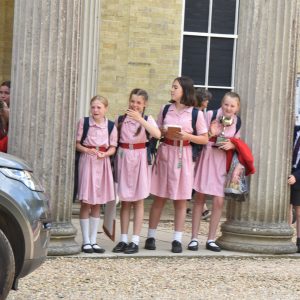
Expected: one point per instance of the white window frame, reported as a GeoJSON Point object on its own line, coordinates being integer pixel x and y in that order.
{"type": "Point", "coordinates": [210, 35]}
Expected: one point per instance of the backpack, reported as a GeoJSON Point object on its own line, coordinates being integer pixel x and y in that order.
{"type": "Point", "coordinates": [86, 126]}
{"type": "Point", "coordinates": [238, 122]}
{"type": "Point", "coordinates": [196, 148]}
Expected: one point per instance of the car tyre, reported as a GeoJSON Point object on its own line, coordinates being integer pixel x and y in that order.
{"type": "Point", "coordinates": [7, 266]}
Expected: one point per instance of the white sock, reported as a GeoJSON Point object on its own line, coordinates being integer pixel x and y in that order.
{"type": "Point", "coordinates": [135, 239]}
{"type": "Point", "coordinates": [177, 236]}
{"type": "Point", "coordinates": [212, 243]}
{"type": "Point", "coordinates": [151, 233]}
{"type": "Point", "coordinates": [124, 238]}
{"type": "Point", "coordinates": [94, 224]}
{"type": "Point", "coordinates": [85, 229]}
{"type": "Point", "coordinates": [194, 242]}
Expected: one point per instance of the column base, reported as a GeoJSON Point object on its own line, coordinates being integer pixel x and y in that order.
{"type": "Point", "coordinates": [62, 241]}
{"type": "Point", "coordinates": [257, 238]}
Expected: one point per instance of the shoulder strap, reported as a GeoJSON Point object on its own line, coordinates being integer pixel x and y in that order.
{"type": "Point", "coordinates": [147, 133]}
{"type": "Point", "coordinates": [86, 125]}
{"type": "Point", "coordinates": [238, 124]}
{"type": "Point", "coordinates": [110, 126]}
{"type": "Point", "coordinates": [166, 108]}
{"type": "Point", "coordinates": [214, 115]}
{"type": "Point", "coordinates": [194, 119]}
{"type": "Point", "coordinates": [120, 119]}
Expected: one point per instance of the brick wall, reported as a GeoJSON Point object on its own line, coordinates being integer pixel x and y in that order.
{"type": "Point", "coordinates": [6, 32]}
{"type": "Point", "coordinates": [139, 47]}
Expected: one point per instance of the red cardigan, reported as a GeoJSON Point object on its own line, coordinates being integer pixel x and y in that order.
{"type": "Point", "coordinates": [3, 144]}
{"type": "Point", "coordinates": [244, 153]}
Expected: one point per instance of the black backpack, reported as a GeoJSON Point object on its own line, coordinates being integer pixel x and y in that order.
{"type": "Point", "coordinates": [196, 148]}
{"type": "Point", "coordinates": [86, 126]}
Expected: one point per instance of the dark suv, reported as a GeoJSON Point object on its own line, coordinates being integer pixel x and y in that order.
{"type": "Point", "coordinates": [24, 222]}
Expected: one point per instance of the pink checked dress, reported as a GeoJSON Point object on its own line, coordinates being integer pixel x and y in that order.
{"type": "Point", "coordinates": [133, 171]}
{"type": "Point", "coordinates": [95, 183]}
{"type": "Point", "coordinates": [210, 169]}
{"type": "Point", "coordinates": [168, 179]}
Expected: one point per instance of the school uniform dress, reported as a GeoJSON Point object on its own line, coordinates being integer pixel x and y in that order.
{"type": "Point", "coordinates": [133, 171]}
{"type": "Point", "coordinates": [95, 179]}
{"type": "Point", "coordinates": [172, 177]}
{"type": "Point", "coordinates": [210, 169]}
{"type": "Point", "coordinates": [295, 188]}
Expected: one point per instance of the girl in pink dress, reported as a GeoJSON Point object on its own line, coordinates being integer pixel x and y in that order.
{"type": "Point", "coordinates": [95, 182]}
{"type": "Point", "coordinates": [210, 174]}
{"type": "Point", "coordinates": [133, 172]}
{"type": "Point", "coordinates": [173, 172]}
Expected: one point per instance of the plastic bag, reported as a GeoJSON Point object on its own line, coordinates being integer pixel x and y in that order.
{"type": "Point", "coordinates": [236, 185]}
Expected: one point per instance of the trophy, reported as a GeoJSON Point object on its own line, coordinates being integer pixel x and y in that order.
{"type": "Point", "coordinates": [225, 121]}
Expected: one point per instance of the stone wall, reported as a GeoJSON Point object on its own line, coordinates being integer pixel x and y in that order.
{"type": "Point", "coordinates": [6, 32]}
{"type": "Point", "coordinates": [139, 47]}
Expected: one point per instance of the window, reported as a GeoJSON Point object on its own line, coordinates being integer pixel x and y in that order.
{"type": "Point", "coordinates": [209, 37]}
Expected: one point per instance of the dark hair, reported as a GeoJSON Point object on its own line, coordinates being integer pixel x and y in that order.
{"type": "Point", "coordinates": [187, 84]}
{"type": "Point", "coordinates": [202, 95]}
{"type": "Point", "coordinates": [3, 129]}
{"type": "Point", "coordinates": [6, 83]}
{"type": "Point", "coordinates": [138, 92]}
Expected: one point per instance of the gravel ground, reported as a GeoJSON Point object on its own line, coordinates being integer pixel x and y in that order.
{"type": "Point", "coordinates": [162, 278]}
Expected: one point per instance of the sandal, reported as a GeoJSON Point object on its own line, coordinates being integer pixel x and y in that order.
{"type": "Point", "coordinates": [193, 245]}
{"type": "Point", "coordinates": [97, 249]}
{"type": "Point", "coordinates": [87, 248]}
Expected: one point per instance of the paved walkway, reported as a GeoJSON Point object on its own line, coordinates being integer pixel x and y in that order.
{"type": "Point", "coordinates": [163, 240]}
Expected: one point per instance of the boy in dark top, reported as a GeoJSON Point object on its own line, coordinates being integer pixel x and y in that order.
{"type": "Point", "coordinates": [294, 181]}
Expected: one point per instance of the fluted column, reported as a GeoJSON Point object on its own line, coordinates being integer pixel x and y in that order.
{"type": "Point", "coordinates": [43, 108]}
{"type": "Point", "coordinates": [89, 54]}
{"type": "Point", "coordinates": [265, 76]}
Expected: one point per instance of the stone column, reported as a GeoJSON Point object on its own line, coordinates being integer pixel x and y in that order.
{"type": "Point", "coordinates": [89, 54]}
{"type": "Point", "coordinates": [265, 76]}
{"type": "Point", "coordinates": [43, 108]}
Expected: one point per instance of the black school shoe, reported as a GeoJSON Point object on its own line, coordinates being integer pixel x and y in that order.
{"type": "Point", "coordinates": [193, 245]}
{"type": "Point", "coordinates": [120, 247]}
{"type": "Point", "coordinates": [176, 247]}
{"type": "Point", "coordinates": [87, 248]}
{"type": "Point", "coordinates": [298, 245]}
{"type": "Point", "coordinates": [131, 248]}
{"type": "Point", "coordinates": [212, 246]}
{"type": "Point", "coordinates": [150, 244]}
{"type": "Point", "coordinates": [97, 248]}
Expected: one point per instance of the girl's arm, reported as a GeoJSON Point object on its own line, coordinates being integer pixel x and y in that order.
{"type": "Point", "coordinates": [153, 130]}
{"type": "Point", "coordinates": [201, 129]}
{"type": "Point", "coordinates": [196, 139]}
{"type": "Point", "coordinates": [86, 150]}
{"type": "Point", "coordinates": [111, 151]}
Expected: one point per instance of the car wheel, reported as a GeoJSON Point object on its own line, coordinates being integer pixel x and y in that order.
{"type": "Point", "coordinates": [7, 266]}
